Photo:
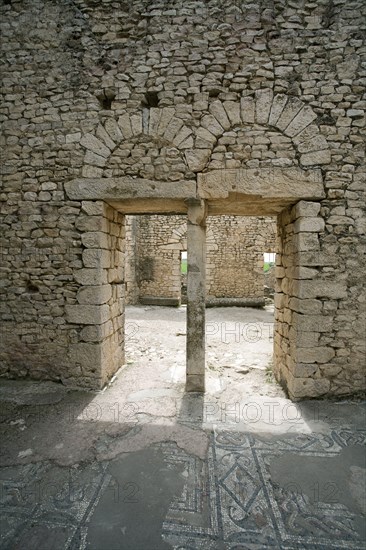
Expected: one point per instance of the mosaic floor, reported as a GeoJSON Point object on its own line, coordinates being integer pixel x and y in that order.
{"type": "Point", "coordinates": [227, 501]}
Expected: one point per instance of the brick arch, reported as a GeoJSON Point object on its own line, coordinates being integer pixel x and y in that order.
{"type": "Point", "coordinates": [287, 115]}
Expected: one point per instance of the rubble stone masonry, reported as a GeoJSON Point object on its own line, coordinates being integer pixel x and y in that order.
{"type": "Point", "coordinates": [234, 266]}
{"type": "Point", "coordinates": [207, 97]}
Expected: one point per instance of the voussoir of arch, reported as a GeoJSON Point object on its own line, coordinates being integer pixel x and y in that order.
{"type": "Point", "coordinates": [161, 125]}
{"type": "Point", "coordinates": [286, 114]}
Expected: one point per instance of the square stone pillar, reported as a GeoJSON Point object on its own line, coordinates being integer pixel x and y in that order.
{"type": "Point", "coordinates": [306, 300]}
{"type": "Point", "coordinates": [196, 290]}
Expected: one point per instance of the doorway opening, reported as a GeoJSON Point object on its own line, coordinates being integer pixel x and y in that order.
{"type": "Point", "coordinates": [239, 333]}
{"type": "Point", "coordinates": [239, 319]}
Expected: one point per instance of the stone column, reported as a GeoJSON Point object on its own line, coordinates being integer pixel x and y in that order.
{"type": "Point", "coordinates": [196, 288]}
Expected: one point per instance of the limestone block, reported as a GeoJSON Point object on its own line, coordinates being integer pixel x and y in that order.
{"type": "Point", "coordinates": [315, 158]}
{"type": "Point", "coordinates": [301, 272]}
{"type": "Point", "coordinates": [128, 188]}
{"type": "Point", "coordinates": [210, 123]}
{"type": "Point", "coordinates": [95, 239]}
{"type": "Point", "coordinates": [340, 220]}
{"type": "Point", "coordinates": [183, 133]}
{"type": "Point", "coordinates": [136, 124]}
{"type": "Point", "coordinates": [93, 208]}
{"type": "Point", "coordinates": [118, 258]}
{"type": "Point", "coordinates": [312, 323]}
{"type": "Point", "coordinates": [304, 242]}
{"type": "Point", "coordinates": [105, 137]}
{"type": "Point", "coordinates": [301, 370]}
{"type": "Point", "coordinates": [166, 115]}
{"type": "Point", "coordinates": [88, 356]}
{"type": "Point", "coordinates": [205, 135]}
{"type": "Point", "coordinates": [91, 223]}
{"type": "Point", "coordinates": [303, 339]}
{"type": "Point", "coordinates": [316, 143]}
{"type": "Point", "coordinates": [280, 300]}
{"type": "Point", "coordinates": [200, 101]}
{"type": "Point", "coordinates": [90, 171]}
{"type": "Point", "coordinates": [307, 134]}
{"type": "Point", "coordinates": [96, 145]}
{"type": "Point", "coordinates": [315, 225]}
{"type": "Point", "coordinates": [330, 370]}
{"type": "Point", "coordinates": [355, 113]}
{"type": "Point", "coordinates": [92, 333]}
{"type": "Point", "coordinates": [307, 387]}
{"type": "Point", "coordinates": [323, 289]}
{"type": "Point", "coordinates": [87, 314]}
{"type": "Point", "coordinates": [95, 295]}
{"type": "Point", "coordinates": [197, 159]}
{"type": "Point", "coordinates": [154, 119]}
{"type": "Point", "coordinates": [221, 115]}
{"type": "Point", "coordinates": [303, 118]}
{"type": "Point", "coordinates": [263, 105]}
{"type": "Point", "coordinates": [232, 109]}
{"type": "Point", "coordinates": [247, 107]}
{"type": "Point", "coordinates": [275, 182]}
{"type": "Point", "coordinates": [360, 226]}
{"type": "Point", "coordinates": [347, 69]}
{"type": "Point", "coordinates": [95, 160]}
{"type": "Point", "coordinates": [188, 143]}
{"type": "Point", "coordinates": [113, 130]}
{"type": "Point", "coordinates": [115, 275]}
{"type": "Point", "coordinates": [280, 272]}
{"type": "Point", "coordinates": [94, 257]}
{"type": "Point", "coordinates": [306, 208]}
{"type": "Point", "coordinates": [90, 276]}
{"type": "Point", "coordinates": [173, 128]}
{"type": "Point", "coordinates": [278, 104]}
{"type": "Point", "coordinates": [305, 305]}
{"type": "Point", "coordinates": [291, 109]}
{"type": "Point", "coordinates": [318, 259]}
{"type": "Point", "coordinates": [318, 354]}
{"type": "Point", "coordinates": [124, 124]}
{"type": "Point", "coordinates": [73, 138]}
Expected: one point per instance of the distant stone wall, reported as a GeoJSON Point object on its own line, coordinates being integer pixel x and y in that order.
{"type": "Point", "coordinates": [235, 247]}
{"type": "Point", "coordinates": [131, 267]}
{"type": "Point", "coordinates": [160, 242]}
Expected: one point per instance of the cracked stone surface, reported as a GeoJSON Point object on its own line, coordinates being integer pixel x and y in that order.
{"type": "Point", "coordinates": [142, 465]}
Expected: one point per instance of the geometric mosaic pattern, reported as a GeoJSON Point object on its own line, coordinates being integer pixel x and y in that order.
{"type": "Point", "coordinates": [228, 501]}
{"type": "Point", "coordinates": [238, 507]}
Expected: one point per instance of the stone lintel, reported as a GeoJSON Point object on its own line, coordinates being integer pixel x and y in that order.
{"type": "Point", "coordinates": [150, 206]}
{"type": "Point", "coordinates": [250, 192]}
{"type": "Point", "coordinates": [128, 188]}
{"type": "Point", "coordinates": [277, 183]}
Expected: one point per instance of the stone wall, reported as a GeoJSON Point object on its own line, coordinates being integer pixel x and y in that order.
{"type": "Point", "coordinates": [161, 239]}
{"type": "Point", "coordinates": [131, 267]}
{"type": "Point", "coordinates": [235, 247]}
{"type": "Point", "coordinates": [168, 93]}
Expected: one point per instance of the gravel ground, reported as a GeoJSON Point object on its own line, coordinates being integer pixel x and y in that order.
{"type": "Point", "coordinates": [239, 347]}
